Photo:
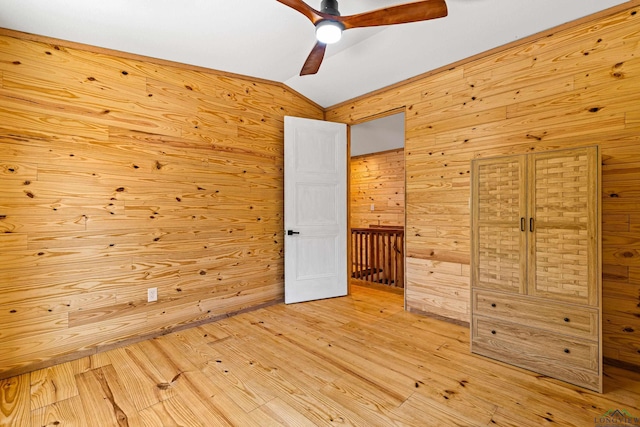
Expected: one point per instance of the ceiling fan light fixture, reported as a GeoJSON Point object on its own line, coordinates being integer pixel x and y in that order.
{"type": "Point", "coordinates": [328, 31]}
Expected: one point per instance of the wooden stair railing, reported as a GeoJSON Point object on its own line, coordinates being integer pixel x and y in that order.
{"type": "Point", "coordinates": [377, 255]}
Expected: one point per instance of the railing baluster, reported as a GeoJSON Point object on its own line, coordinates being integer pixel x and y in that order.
{"type": "Point", "coordinates": [354, 254]}
{"type": "Point", "coordinates": [386, 271]}
{"type": "Point", "coordinates": [358, 240]}
{"type": "Point", "coordinates": [360, 260]}
{"type": "Point", "coordinates": [389, 255]}
{"type": "Point", "coordinates": [372, 254]}
{"type": "Point", "coordinates": [401, 259]}
{"type": "Point", "coordinates": [395, 260]}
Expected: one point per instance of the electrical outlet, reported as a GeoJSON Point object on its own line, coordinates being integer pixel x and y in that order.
{"type": "Point", "coordinates": [152, 294]}
{"type": "Point", "coordinates": [373, 207]}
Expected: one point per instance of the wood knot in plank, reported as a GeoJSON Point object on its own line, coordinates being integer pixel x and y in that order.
{"type": "Point", "coordinates": [164, 386]}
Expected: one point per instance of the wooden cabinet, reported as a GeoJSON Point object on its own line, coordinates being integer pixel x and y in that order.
{"type": "Point", "coordinates": [536, 263]}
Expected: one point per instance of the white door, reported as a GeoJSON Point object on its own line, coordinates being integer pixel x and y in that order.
{"type": "Point", "coordinates": [315, 209]}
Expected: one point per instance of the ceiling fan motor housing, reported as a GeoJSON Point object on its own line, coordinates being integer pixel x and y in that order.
{"type": "Point", "coordinates": [330, 7]}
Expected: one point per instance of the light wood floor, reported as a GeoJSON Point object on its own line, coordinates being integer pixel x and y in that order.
{"type": "Point", "coordinates": [358, 360]}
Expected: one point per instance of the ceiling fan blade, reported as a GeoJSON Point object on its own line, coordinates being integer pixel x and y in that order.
{"type": "Point", "coordinates": [312, 64]}
{"type": "Point", "coordinates": [404, 13]}
{"type": "Point", "coordinates": [299, 5]}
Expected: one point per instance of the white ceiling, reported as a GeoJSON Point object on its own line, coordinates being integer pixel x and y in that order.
{"type": "Point", "coordinates": [263, 38]}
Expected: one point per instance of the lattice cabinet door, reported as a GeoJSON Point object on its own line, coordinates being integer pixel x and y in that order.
{"type": "Point", "coordinates": [563, 216]}
{"type": "Point", "coordinates": [498, 218]}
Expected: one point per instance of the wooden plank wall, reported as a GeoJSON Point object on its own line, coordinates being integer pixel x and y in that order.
{"type": "Point", "coordinates": [575, 86]}
{"type": "Point", "coordinates": [378, 179]}
{"type": "Point", "coordinates": [118, 175]}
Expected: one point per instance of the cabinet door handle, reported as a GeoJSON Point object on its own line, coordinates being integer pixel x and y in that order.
{"type": "Point", "coordinates": [531, 225]}
{"type": "Point", "coordinates": [493, 332]}
{"type": "Point", "coordinates": [566, 319]}
{"type": "Point", "coordinates": [522, 224]}
{"type": "Point", "coordinates": [566, 350]}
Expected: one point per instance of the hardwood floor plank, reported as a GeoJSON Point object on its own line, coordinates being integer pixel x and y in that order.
{"type": "Point", "coordinates": [68, 413]}
{"type": "Point", "coordinates": [363, 399]}
{"type": "Point", "coordinates": [104, 399]}
{"type": "Point", "coordinates": [170, 412]}
{"type": "Point", "coordinates": [277, 413]}
{"type": "Point", "coordinates": [140, 382]}
{"type": "Point", "coordinates": [14, 401]}
{"type": "Point", "coordinates": [417, 411]}
{"type": "Point", "coordinates": [207, 395]}
{"type": "Point", "coordinates": [52, 385]}
{"type": "Point", "coordinates": [56, 383]}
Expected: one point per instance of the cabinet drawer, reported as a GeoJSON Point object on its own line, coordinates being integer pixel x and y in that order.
{"type": "Point", "coordinates": [538, 343]}
{"type": "Point", "coordinates": [581, 322]}
{"type": "Point", "coordinates": [568, 359]}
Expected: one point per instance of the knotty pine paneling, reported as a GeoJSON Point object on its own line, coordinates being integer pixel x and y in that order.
{"type": "Point", "coordinates": [573, 86]}
{"type": "Point", "coordinates": [378, 179]}
{"type": "Point", "coordinates": [118, 175]}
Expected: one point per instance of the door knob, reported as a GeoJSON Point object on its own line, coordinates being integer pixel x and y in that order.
{"type": "Point", "coordinates": [291, 232]}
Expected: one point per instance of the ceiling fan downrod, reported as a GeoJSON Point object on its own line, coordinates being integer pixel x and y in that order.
{"type": "Point", "coordinates": [330, 7]}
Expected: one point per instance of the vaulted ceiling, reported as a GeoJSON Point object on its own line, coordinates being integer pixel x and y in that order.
{"type": "Point", "coordinates": [265, 39]}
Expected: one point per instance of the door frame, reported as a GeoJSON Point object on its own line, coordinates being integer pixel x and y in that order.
{"type": "Point", "coordinates": [397, 110]}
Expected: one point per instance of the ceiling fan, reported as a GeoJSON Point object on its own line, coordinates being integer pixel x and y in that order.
{"type": "Point", "coordinates": [330, 25]}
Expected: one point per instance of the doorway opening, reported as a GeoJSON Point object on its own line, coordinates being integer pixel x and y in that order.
{"type": "Point", "coordinates": [377, 202]}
